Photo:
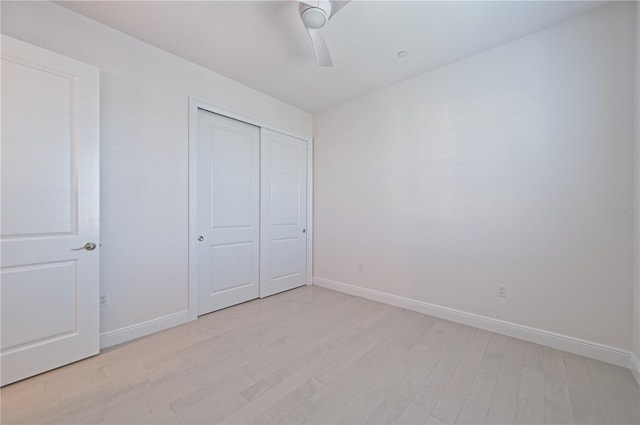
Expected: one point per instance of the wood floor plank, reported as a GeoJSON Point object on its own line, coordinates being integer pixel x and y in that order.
{"type": "Point", "coordinates": [630, 392]}
{"type": "Point", "coordinates": [584, 402]}
{"type": "Point", "coordinates": [612, 405]}
{"type": "Point", "coordinates": [472, 413]}
{"type": "Point", "coordinates": [477, 347]}
{"type": "Point", "coordinates": [436, 345]}
{"type": "Point", "coordinates": [533, 356]}
{"type": "Point", "coordinates": [373, 398]}
{"type": "Point", "coordinates": [109, 401]}
{"type": "Point", "coordinates": [162, 416]}
{"type": "Point", "coordinates": [195, 384]}
{"type": "Point", "coordinates": [505, 394]}
{"type": "Point", "coordinates": [505, 398]}
{"type": "Point", "coordinates": [491, 360]}
{"type": "Point", "coordinates": [513, 355]}
{"type": "Point", "coordinates": [454, 395]}
{"type": "Point", "coordinates": [557, 403]}
{"type": "Point", "coordinates": [530, 407]}
{"type": "Point", "coordinates": [435, 421]}
{"type": "Point", "coordinates": [369, 366]}
{"type": "Point", "coordinates": [317, 356]}
{"type": "Point", "coordinates": [383, 415]}
{"type": "Point", "coordinates": [382, 381]}
{"type": "Point", "coordinates": [481, 389]}
{"type": "Point", "coordinates": [121, 367]}
{"type": "Point", "coordinates": [425, 399]}
{"type": "Point", "coordinates": [297, 402]}
{"type": "Point", "coordinates": [213, 411]}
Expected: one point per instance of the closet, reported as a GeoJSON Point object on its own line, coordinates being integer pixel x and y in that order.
{"type": "Point", "coordinates": [249, 212]}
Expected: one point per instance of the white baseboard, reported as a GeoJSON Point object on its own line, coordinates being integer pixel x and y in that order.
{"type": "Point", "coordinates": [550, 339]}
{"type": "Point", "coordinates": [635, 367]}
{"type": "Point", "coordinates": [138, 330]}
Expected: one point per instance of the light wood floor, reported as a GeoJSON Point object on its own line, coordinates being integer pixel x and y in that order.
{"type": "Point", "coordinates": [316, 356]}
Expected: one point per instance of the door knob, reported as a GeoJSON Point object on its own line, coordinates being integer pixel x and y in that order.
{"type": "Point", "coordinates": [200, 238]}
{"type": "Point", "coordinates": [304, 230]}
{"type": "Point", "coordinates": [89, 246]}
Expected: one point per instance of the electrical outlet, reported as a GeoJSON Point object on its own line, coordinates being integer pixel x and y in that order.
{"type": "Point", "coordinates": [501, 291]}
{"type": "Point", "coordinates": [361, 267]}
{"type": "Point", "coordinates": [104, 300]}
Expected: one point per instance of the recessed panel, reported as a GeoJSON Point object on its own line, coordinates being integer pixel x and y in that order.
{"type": "Point", "coordinates": [37, 181]}
{"type": "Point", "coordinates": [231, 266]}
{"type": "Point", "coordinates": [39, 303]}
{"type": "Point", "coordinates": [231, 171]}
{"type": "Point", "coordinates": [285, 183]}
{"type": "Point", "coordinates": [284, 257]}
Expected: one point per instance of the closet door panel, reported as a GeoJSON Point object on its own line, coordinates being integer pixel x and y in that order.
{"type": "Point", "coordinates": [283, 213]}
{"type": "Point", "coordinates": [228, 211]}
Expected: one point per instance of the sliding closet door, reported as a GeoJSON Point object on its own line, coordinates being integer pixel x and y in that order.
{"type": "Point", "coordinates": [227, 211]}
{"type": "Point", "coordinates": [283, 253]}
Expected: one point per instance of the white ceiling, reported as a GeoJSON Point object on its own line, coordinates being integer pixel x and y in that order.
{"type": "Point", "coordinates": [263, 44]}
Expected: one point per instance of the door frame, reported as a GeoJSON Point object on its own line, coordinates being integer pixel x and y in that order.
{"type": "Point", "coordinates": [194, 105]}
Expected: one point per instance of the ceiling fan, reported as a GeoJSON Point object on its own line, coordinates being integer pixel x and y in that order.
{"type": "Point", "coordinates": [315, 15]}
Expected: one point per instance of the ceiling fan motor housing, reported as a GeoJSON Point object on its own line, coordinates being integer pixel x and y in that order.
{"type": "Point", "coordinates": [315, 17]}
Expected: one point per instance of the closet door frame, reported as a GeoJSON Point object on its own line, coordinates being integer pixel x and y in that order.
{"type": "Point", "coordinates": [194, 105]}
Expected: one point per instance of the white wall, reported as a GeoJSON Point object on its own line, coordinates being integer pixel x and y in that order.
{"type": "Point", "coordinates": [144, 141]}
{"type": "Point", "coordinates": [498, 169]}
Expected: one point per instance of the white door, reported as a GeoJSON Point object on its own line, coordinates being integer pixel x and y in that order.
{"type": "Point", "coordinates": [50, 208]}
{"type": "Point", "coordinates": [283, 253]}
{"type": "Point", "coordinates": [227, 211]}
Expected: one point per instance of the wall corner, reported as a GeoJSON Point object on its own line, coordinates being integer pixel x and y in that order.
{"type": "Point", "coordinates": [636, 206]}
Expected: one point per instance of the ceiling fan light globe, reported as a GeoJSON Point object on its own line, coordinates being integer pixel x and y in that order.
{"type": "Point", "coordinates": [314, 18]}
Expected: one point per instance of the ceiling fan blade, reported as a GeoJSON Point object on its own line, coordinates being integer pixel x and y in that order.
{"type": "Point", "coordinates": [323, 58]}
{"type": "Point", "coordinates": [336, 5]}
{"type": "Point", "coordinates": [333, 5]}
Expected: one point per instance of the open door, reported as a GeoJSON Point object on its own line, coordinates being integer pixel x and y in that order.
{"type": "Point", "coordinates": [50, 197]}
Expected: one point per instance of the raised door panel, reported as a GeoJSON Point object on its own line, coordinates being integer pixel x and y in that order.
{"type": "Point", "coordinates": [50, 314]}
{"type": "Point", "coordinates": [38, 176]}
